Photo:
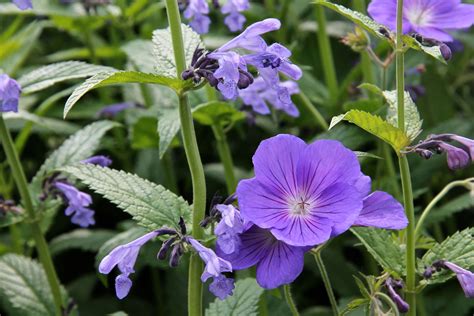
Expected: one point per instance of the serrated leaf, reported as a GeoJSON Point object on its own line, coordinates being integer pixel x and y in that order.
{"type": "Point", "coordinates": [458, 249]}
{"type": "Point", "coordinates": [117, 240]}
{"type": "Point", "coordinates": [51, 124]}
{"type": "Point", "coordinates": [24, 285]}
{"type": "Point", "coordinates": [163, 49]}
{"type": "Point", "coordinates": [244, 301]}
{"type": "Point", "coordinates": [140, 53]}
{"type": "Point", "coordinates": [456, 205]}
{"type": "Point", "coordinates": [78, 147]}
{"type": "Point", "coordinates": [47, 76]}
{"type": "Point", "coordinates": [376, 126]}
{"type": "Point", "coordinates": [217, 112]}
{"type": "Point", "coordinates": [380, 244]}
{"type": "Point", "coordinates": [119, 77]}
{"type": "Point", "coordinates": [83, 239]}
{"type": "Point", "coordinates": [413, 122]}
{"type": "Point", "coordinates": [151, 205]}
{"type": "Point", "coordinates": [169, 125]}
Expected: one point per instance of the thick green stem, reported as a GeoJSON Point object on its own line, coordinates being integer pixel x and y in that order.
{"type": "Point", "coordinates": [327, 282]}
{"type": "Point", "coordinates": [326, 54]}
{"type": "Point", "coordinates": [194, 161]}
{"type": "Point", "coordinates": [405, 170]}
{"type": "Point", "coordinates": [225, 156]}
{"type": "Point", "coordinates": [289, 300]}
{"type": "Point", "coordinates": [40, 242]}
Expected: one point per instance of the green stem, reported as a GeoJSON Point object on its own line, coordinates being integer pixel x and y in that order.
{"type": "Point", "coordinates": [304, 100]}
{"type": "Point", "coordinates": [437, 198]}
{"type": "Point", "coordinates": [194, 161]}
{"type": "Point", "coordinates": [40, 242]}
{"type": "Point", "coordinates": [225, 156]}
{"type": "Point", "coordinates": [392, 173]}
{"type": "Point", "coordinates": [327, 282]}
{"type": "Point", "coordinates": [326, 54]}
{"type": "Point", "coordinates": [289, 300]}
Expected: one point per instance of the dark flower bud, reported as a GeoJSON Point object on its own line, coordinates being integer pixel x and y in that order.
{"type": "Point", "coordinates": [428, 273]}
{"type": "Point", "coordinates": [182, 226]}
{"type": "Point", "coordinates": [439, 265]}
{"type": "Point", "coordinates": [230, 199]}
{"type": "Point", "coordinates": [402, 306]}
{"type": "Point", "coordinates": [384, 32]}
{"type": "Point", "coordinates": [187, 74]}
{"type": "Point", "coordinates": [175, 256]}
{"type": "Point", "coordinates": [445, 51]}
{"type": "Point", "coordinates": [244, 81]}
{"type": "Point", "coordinates": [164, 248]}
{"type": "Point", "coordinates": [425, 153]}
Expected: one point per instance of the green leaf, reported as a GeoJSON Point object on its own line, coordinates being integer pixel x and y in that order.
{"type": "Point", "coordinates": [244, 301]}
{"type": "Point", "coordinates": [51, 124]}
{"type": "Point", "coordinates": [47, 76]}
{"type": "Point", "coordinates": [458, 249]}
{"type": "Point", "coordinates": [168, 126]}
{"type": "Point", "coordinates": [381, 245]}
{"type": "Point", "coordinates": [217, 112]}
{"type": "Point", "coordinates": [11, 218]}
{"type": "Point", "coordinates": [433, 51]}
{"type": "Point", "coordinates": [413, 122]}
{"type": "Point", "coordinates": [151, 205]}
{"type": "Point", "coordinates": [78, 147]}
{"type": "Point", "coordinates": [140, 53]}
{"type": "Point", "coordinates": [143, 133]}
{"type": "Point", "coordinates": [24, 285]}
{"type": "Point", "coordinates": [362, 155]}
{"type": "Point", "coordinates": [447, 210]}
{"type": "Point", "coordinates": [376, 126]}
{"type": "Point", "coordinates": [119, 77]}
{"type": "Point", "coordinates": [83, 239]}
{"type": "Point", "coordinates": [163, 49]}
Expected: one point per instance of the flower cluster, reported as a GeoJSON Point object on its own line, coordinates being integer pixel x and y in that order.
{"type": "Point", "coordinates": [9, 94]}
{"type": "Point", "coordinates": [458, 157]}
{"type": "Point", "coordinates": [431, 19]}
{"type": "Point", "coordinates": [125, 256]}
{"type": "Point", "coordinates": [226, 70]}
{"type": "Point", "coordinates": [465, 277]}
{"type": "Point", "coordinates": [301, 197]}
{"type": "Point", "coordinates": [197, 12]}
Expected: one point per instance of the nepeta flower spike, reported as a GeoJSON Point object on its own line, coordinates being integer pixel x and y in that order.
{"type": "Point", "coordinates": [78, 203]}
{"type": "Point", "coordinates": [9, 94]}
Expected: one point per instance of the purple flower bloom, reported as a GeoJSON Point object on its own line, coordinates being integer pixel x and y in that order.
{"type": "Point", "coordinates": [465, 278]}
{"type": "Point", "coordinates": [100, 160]}
{"type": "Point", "coordinates": [112, 110]}
{"type": "Point", "coordinates": [229, 228]}
{"type": "Point", "coordinates": [124, 257]}
{"type": "Point", "coordinates": [229, 72]}
{"type": "Point", "coordinates": [234, 19]}
{"type": "Point", "coordinates": [391, 284]}
{"type": "Point", "coordinates": [23, 4]}
{"type": "Point", "coordinates": [259, 94]}
{"type": "Point", "coordinates": [9, 94]}
{"type": "Point", "coordinates": [197, 11]}
{"type": "Point", "coordinates": [430, 18]}
{"type": "Point", "coordinates": [300, 197]}
{"type": "Point", "coordinates": [215, 266]}
{"type": "Point", "coordinates": [78, 203]}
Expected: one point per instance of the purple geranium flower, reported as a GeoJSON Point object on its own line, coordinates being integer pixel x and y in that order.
{"type": "Point", "coordinates": [229, 228]}
{"type": "Point", "coordinates": [124, 257]}
{"type": "Point", "coordinates": [300, 197]}
{"type": "Point", "coordinates": [99, 160]}
{"type": "Point", "coordinates": [78, 203]}
{"type": "Point", "coordinates": [197, 11]}
{"type": "Point", "coordinates": [430, 18]}
{"type": "Point", "coordinates": [234, 19]}
{"type": "Point", "coordinates": [259, 94]}
{"type": "Point", "coordinates": [9, 94]}
{"type": "Point", "coordinates": [23, 4]}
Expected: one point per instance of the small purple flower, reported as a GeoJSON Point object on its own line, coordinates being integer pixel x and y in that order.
{"type": "Point", "coordinates": [391, 284]}
{"type": "Point", "coordinates": [9, 94]}
{"type": "Point", "coordinates": [215, 266]}
{"type": "Point", "coordinates": [229, 228]}
{"type": "Point", "coordinates": [111, 111]}
{"type": "Point", "coordinates": [234, 19]}
{"type": "Point", "coordinates": [300, 197]}
{"type": "Point", "coordinates": [99, 160]}
{"type": "Point", "coordinates": [197, 11]}
{"type": "Point", "coordinates": [78, 203]}
{"type": "Point", "coordinates": [259, 94]}
{"type": "Point", "coordinates": [23, 4]}
{"type": "Point", "coordinates": [465, 278]}
{"type": "Point", "coordinates": [124, 257]}
{"type": "Point", "coordinates": [229, 72]}
{"type": "Point", "coordinates": [430, 18]}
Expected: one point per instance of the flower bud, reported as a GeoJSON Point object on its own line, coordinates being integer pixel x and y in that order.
{"type": "Point", "coordinates": [445, 51]}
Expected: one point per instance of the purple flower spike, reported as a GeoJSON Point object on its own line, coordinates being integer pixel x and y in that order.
{"type": "Point", "coordinates": [125, 257]}
{"type": "Point", "coordinates": [23, 4]}
{"type": "Point", "coordinates": [457, 158]}
{"type": "Point", "coordinates": [99, 160]}
{"type": "Point", "coordinates": [430, 18]}
{"type": "Point", "coordinates": [465, 278]}
{"type": "Point", "coordinates": [229, 228]}
{"type": "Point", "coordinates": [234, 19]}
{"type": "Point", "coordinates": [197, 11]}
{"type": "Point", "coordinates": [78, 203]}
{"type": "Point", "coordinates": [228, 73]}
{"type": "Point", "coordinates": [222, 287]}
{"type": "Point", "coordinates": [9, 94]}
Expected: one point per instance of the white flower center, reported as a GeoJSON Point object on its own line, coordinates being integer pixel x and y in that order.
{"type": "Point", "coordinates": [300, 206]}
{"type": "Point", "coordinates": [418, 15]}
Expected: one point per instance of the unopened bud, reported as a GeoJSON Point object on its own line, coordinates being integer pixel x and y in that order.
{"type": "Point", "coordinates": [164, 249]}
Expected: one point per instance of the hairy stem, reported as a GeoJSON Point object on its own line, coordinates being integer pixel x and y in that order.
{"type": "Point", "coordinates": [327, 282]}
{"type": "Point", "coordinates": [194, 161]}
{"type": "Point", "coordinates": [289, 300]}
{"type": "Point", "coordinates": [40, 242]}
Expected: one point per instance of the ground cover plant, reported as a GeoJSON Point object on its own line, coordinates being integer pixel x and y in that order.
{"type": "Point", "coordinates": [236, 157]}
